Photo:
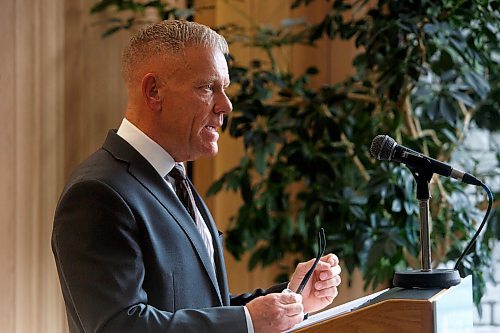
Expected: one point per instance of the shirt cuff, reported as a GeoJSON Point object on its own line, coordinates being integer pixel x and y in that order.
{"type": "Point", "coordinates": [249, 320]}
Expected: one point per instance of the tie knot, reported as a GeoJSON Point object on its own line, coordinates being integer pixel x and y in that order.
{"type": "Point", "coordinates": [178, 173]}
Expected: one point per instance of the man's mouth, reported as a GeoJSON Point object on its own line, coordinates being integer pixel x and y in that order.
{"type": "Point", "coordinates": [211, 128]}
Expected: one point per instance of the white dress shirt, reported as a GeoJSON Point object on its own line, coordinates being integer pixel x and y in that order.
{"type": "Point", "coordinates": [163, 163]}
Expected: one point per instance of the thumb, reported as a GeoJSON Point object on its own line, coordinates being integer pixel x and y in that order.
{"type": "Point", "coordinates": [290, 298]}
{"type": "Point", "coordinates": [299, 274]}
{"type": "Point", "coordinates": [303, 267]}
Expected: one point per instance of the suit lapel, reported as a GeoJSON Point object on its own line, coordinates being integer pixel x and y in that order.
{"type": "Point", "coordinates": [217, 241]}
{"type": "Point", "coordinates": [145, 174]}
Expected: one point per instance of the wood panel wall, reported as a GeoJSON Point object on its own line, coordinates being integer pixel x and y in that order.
{"type": "Point", "coordinates": [7, 166]}
{"type": "Point", "coordinates": [61, 91]}
{"type": "Point", "coordinates": [31, 149]}
{"type": "Point", "coordinates": [95, 96]}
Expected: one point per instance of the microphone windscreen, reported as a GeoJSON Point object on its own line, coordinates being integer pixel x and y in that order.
{"type": "Point", "coordinates": [382, 146]}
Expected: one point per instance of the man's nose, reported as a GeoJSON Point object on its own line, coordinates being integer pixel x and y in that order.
{"type": "Point", "coordinates": [223, 103]}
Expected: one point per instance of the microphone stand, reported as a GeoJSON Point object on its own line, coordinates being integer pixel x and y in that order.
{"type": "Point", "coordinates": [425, 277]}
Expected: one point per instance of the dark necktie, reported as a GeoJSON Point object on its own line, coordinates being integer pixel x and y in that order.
{"type": "Point", "coordinates": [182, 188]}
{"type": "Point", "coordinates": [186, 196]}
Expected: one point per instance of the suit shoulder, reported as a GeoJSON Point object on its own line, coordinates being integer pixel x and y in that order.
{"type": "Point", "coordinates": [101, 166]}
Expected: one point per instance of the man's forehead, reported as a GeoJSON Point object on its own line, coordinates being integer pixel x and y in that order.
{"type": "Point", "coordinates": [203, 62]}
{"type": "Point", "coordinates": [199, 63]}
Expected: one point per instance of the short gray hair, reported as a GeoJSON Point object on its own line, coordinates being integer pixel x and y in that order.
{"type": "Point", "coordinates": [168, 37]}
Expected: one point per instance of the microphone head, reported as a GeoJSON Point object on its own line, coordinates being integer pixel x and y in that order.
{"type": "Point", "coordinates": [382, 147]}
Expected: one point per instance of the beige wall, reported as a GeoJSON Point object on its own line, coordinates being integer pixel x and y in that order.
{"type": "Point", "coordinates": [31, 153]}
{"type": "Point", "coordinates": [61, 90]}
{"type": "Point", "coordinates": [95, 97]}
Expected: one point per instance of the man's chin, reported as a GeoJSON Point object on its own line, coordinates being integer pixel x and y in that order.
{"type": "Point", "coordinates": [213, 151]}
{"type": "Point", "coordinates": [208, 151]}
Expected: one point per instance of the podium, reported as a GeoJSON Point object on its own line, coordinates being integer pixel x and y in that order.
{"type": "Point", "coordinates": [399, 310]}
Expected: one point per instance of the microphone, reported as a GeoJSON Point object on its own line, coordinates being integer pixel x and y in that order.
{"type": "Point", "coordinates": [385, 148]}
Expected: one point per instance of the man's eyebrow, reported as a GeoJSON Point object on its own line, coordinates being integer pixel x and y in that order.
{"type": "Point", "coordinates": [206, 80]}
{"type": "Point", "coordinates": [213, 79]}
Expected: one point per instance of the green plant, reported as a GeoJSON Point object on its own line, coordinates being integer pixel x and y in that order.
{"type": "Point", "coordinates": [136, 13]}
{"type": "Point", "coordinates": [425, 70]}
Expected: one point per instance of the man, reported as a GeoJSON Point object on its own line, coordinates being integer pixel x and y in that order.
{"type": "Point", "coordinates": [135, 250]}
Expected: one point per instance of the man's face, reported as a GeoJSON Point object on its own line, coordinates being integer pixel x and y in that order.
{"type": "Point", "coordinates": [194, 101]}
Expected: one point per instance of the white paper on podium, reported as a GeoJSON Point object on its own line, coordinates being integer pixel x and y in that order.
{"type": "Point", "coordinates": [335, 311]}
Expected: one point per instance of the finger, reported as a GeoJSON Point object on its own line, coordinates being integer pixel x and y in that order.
{"type": "Point", "coordinates": [330, 258]}
{"type": "Point", "coordinates": [329, 274]}
{"type": "Point", "coordinates": [329, 292]}
{"type": "Point", "coordinates": [333, 282]}
{"type": "Point", "coordinates": [323, 266]}
{"type": "Point", "coordinates": [324, 263]}
{"type": "Point", "coordinates": [328, 261]}
{"type": "Point", "coordinates": [328, 299]}
{"type": "Point", "coordinates": [294, 309]}
{"type": "Point", "coordinates": [336, 270]}
{"type": "Point", "coordinates": [292, 321]}
{"type": "Point", "coordinates": [290, 298]}
{"type": "Point", "coordinates": [325, 274]}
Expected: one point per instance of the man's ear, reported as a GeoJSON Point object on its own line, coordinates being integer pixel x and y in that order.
{"type": "Point", "coordinates": [150, 93]}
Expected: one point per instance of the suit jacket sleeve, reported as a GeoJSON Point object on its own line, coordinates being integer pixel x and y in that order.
{"type": "Point", "coordinates": [237, 300]}
{"type": "Point", "coordinates": [96, 244]}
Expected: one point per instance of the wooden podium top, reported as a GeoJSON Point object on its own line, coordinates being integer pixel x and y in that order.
{"type": "Point", "coordinates": [399, 310]}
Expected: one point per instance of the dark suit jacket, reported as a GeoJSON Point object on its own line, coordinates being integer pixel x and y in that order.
{"type": "Point", "coordinates": [129, 256]}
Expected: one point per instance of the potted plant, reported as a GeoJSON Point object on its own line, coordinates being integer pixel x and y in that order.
{"type": "Point", "coordinates": [425, 70]}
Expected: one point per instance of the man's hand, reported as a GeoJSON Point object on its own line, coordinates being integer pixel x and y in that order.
{"type": "Point", "coordinates": [321, 288]}
{"type": "Point", "coordinates": [276, 312]}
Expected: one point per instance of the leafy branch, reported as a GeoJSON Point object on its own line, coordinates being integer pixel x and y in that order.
{"type": "Point", "coordinates": [426, 70]}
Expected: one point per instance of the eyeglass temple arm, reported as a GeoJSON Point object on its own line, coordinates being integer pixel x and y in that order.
{"type": "Point", "coordinates": [321, 250]}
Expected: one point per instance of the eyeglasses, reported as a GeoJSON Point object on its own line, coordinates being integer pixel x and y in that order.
{"type": "Point", "coordinates": [321, 251]}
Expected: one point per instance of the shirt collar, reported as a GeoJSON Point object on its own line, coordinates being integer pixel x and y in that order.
{"type": "Point", "coordinates": [158, 157]}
